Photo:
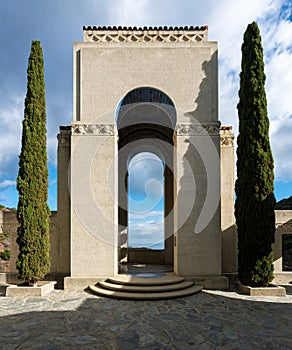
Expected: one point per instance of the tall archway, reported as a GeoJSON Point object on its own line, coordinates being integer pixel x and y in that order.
{"type": "Point", "coordinates": [146, 118]}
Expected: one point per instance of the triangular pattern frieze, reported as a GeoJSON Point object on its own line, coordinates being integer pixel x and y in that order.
{"type": "Point", "coordinates": [144, 36]}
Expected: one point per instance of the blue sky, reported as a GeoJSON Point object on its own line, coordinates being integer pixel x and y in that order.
{"type": "Point", "coordinates": [146, 201]}
{"type": "Point", "coordinates": [58, 24]}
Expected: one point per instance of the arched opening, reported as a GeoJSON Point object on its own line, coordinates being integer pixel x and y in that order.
{"type": "Point", "coordinates": [146, 119]}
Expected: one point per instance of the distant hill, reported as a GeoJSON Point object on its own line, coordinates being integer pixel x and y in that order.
{"type": "Point", "coordinates": [3, 208]}
{"type": "Point", "coordinates": [284, 204]}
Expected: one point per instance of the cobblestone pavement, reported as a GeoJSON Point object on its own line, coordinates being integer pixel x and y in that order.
{"type": "Point", "coordinates": [208, 320]}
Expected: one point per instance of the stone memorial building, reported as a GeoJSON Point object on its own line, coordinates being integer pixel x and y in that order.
{"type": "Point", "coordinates": [149, 90]}
{"type": "Point", "coordinates": [145, 90]}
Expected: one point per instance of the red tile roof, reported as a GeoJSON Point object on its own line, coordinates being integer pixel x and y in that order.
{"type": "Point", "coordinates": [165, 28]}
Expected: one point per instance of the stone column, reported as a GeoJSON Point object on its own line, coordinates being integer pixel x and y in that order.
{"type": "Point", "coordinates": [168, 212]}
{"type": "Point", "coordinates": [64, 143]}
{"type": "Point", "coordinates": [229, 233]}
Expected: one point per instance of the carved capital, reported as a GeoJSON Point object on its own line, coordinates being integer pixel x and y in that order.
{"type": "Point", "coordinates": [227, 140]}
{"type": "Point", "coordinates": [189, 129]}
{"type": "Point", "coordinates": [286, 227]}
{"type": "Point", "coordinates": [64, 141]}
{"type": "Point", "coordinates": [226, 136]}
{"type": "Point", "coordinates": [93, 129]}
{"type": "Point", "coordinates": [64, 138]}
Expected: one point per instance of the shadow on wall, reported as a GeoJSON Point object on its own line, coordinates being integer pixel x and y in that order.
{"type": "Point", "coordinates": [229, 250]}
{"type": "Point", "coordinates": [207, 100]}
{"type": "Point", "coordinates": [198, 176]}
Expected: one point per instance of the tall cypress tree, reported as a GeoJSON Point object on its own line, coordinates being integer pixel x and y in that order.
{"type": "Point", "coordinates": [255, 201]}
{"type": "Point", "coordinates": [32, 182]}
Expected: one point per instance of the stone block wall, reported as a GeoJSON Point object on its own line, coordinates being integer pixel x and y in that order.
{"type": "Point", "coordinates": [283, 227]}
{"type": "Point", "coordinates": [9, 224]}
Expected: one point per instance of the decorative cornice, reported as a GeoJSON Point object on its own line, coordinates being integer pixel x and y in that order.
{"type": "Point", "coordinates": [187, 129]}
{"type": "Point", "coordinates": [93, 129]}
{"type": "Point", "coordinates": [129, 35]}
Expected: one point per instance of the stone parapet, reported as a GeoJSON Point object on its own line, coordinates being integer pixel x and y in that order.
{"type": "Point", "coordinates": [145, 35]}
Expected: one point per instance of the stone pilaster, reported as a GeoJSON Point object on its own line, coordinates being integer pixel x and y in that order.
{"type": "Point", "coordinates": [197, 241]}
{"type": "Point", "coordinates": [64, 144]}
{"type": "Point", "coordinates": [229, 233]}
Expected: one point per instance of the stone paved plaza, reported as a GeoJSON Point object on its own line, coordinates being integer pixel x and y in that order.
{"type": "Point", "coordinates": [208, 320]}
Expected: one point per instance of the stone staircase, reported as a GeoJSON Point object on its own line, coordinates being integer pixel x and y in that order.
{"type": "Point", "coordinates": [136, 288]}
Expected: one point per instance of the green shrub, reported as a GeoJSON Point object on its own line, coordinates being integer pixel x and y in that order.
{"type": "Point", "coordinates": [5, 255]}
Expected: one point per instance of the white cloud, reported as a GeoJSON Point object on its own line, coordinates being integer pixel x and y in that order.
{"type": "Point", "coordinates": [281, 141]}
{"type": "Point", "coordinates": [145, 232]}
{"type": "Point", "coordinates": [279, 85]}
{"type": "Point", "coordinates": [230, 37]}
{"type": "Point", "coordinates": [128, 12]}
{"type": "Point", "coordinates": [7, 183]}
{"type": "Point", "coordinates": [146, 215]}
{"type": "Point", "coordinates": [52, 149]}
{"type": "Point", "coordinates": [276, 32]}
{"type": "Point", "coordinates": [277, 35]}
{"type": "Point", "coordinates": [228, 22]}
{"type": "Point", "coordinates": [10, 133]}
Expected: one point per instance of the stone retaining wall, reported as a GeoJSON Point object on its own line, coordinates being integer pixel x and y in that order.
{"type": "Point", "coordinates": [283, 227]}
{"type": "Point", "coordinates": [9, 224]}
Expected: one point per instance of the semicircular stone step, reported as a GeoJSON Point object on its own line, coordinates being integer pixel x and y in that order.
{"type": "Point", "coordinates": [136, 281]}
{"type": "Point", "coordinates": [146, 296]}
{"type": "Point", "coordinates": [145, 288]}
